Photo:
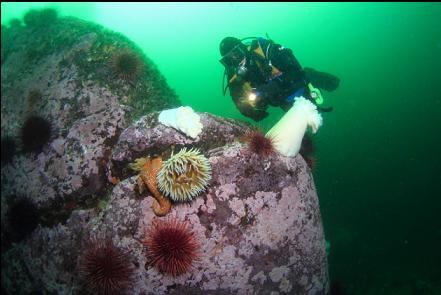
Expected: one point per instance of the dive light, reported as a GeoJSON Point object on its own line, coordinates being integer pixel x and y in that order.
{"type": "Point", "coordinates": [252, 96]}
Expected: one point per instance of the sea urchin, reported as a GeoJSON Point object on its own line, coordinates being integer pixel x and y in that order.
{"type": "Point", "coordinates": [260, 144]}
{"type": "Point", "coordinates": [23, 217]}
{"type": "Point", "coordinates": [184, 175]}
{"type": "Point", "coordinates": [126, 65]}
{"type": "Point", "coordinates": [35, 133]}
{"type": "Point", "coordinates": [171, 247]}
{"type": "Point", "coordinates": [106, 269]}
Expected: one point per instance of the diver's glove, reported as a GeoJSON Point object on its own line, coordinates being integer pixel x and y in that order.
{"type": "Point", "coordinates": [257, 113]}
{"type": "Point", "coordinates": [252, 97]}
{"type": "Point", "coordinates": [315, 94]}
{"type": "Point", "coordinates": [269, 93]}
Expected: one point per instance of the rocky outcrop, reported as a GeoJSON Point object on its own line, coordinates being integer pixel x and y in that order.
{"type": "Point", "coordinates": [65, 70]}
{"type": "Point", "coordinates": [258, 223]}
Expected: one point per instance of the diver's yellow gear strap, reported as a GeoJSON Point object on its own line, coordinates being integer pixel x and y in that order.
{"type": "Point", "coordinates": [274, 71]}
{"type": "Point", "coordinates": [259, 51]}
{"type": "Point", "coordinates": [316, 94]}
{"type": "Point", "coordinates": [246, 88]}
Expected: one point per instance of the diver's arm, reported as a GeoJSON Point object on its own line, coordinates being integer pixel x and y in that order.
{"type": "Point", "coordinates": [283, 59]}
{"type": "Point", "coordinates": [293, 73]}
{"type": "Point", "coordinates": [255, 110]}
{"type": "Point", "coordinates": [322, 80]}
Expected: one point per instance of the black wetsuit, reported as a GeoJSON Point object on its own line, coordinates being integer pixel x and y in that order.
{"type": "Point", "coordinates": [272, 89]}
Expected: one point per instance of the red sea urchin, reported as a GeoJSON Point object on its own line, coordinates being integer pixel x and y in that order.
{"type": "Point", "coordinates": [260, 144]}
{"type": "Point", "coordinates": [171, 247]}
{"type": "Point", "coordinates": [106, 269]}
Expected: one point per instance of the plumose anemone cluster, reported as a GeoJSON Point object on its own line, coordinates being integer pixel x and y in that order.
{"type": "Point", "coordinates": [184, 175]}
{"type": "Point", "coordinates": [288, 132]}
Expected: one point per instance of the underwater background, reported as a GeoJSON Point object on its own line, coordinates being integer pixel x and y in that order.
{"type": "Point", "coordinates": [378, 156]}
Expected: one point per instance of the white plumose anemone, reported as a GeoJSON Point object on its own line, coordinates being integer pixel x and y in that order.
{"type": "Point", "coordinates": [184, 176]}
{"type": "Point", "coordinates": [289, 131]}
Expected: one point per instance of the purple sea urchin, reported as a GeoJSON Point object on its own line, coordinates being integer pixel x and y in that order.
{"type": "Point", "coordinates": [184, 175]}
{"type": "Point", "coordinates": [126, 65]}
{"type": "Point", "coordinates": [171, 247]}
{"type": "Point", "coordinates": [35, 133]}
{"type": "Point", "coordinates": [106, 269]}
{"type": "Point", "coordinates": [23, 217]}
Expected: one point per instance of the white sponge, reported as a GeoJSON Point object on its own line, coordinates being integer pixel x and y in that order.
{"type": "Point", "coordinates": [184, 119]}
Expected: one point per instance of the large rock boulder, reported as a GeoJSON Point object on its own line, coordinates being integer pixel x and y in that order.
{"type": "Point", "coordinates": [258, 223]}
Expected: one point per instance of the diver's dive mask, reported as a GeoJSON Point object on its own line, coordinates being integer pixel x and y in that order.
{"type": "Point", "coordinates": [235, 59]}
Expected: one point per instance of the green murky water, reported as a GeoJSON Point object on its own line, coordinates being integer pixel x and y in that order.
{"type": "Point", "coordinates": [378, 174]}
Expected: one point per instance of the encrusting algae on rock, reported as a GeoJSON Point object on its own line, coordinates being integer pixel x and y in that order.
{"type": "Point", "coordinates": [148, 169]}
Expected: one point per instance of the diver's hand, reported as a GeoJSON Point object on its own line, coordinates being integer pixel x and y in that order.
{"type": "Point", "coordinates": [315, 94]}
{"type": "Point", "coordinates": [251, 111]}
{"type": "Point", "coordinates": [270, 92]}
{"type": "Point", "coordinates": [252, 98]}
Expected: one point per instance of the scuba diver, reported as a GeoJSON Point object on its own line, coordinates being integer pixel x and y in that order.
{"type": "Point", "coordinates": [263, 73]}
